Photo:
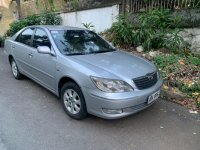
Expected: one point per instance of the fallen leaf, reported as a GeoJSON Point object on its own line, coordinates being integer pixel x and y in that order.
{"type": "Point", "coordinates": [165, 87]}
{"type": "Point", "coordinates": [175, 90]}
{"type": "Point", "coordinates": [189, 83]}
{"type": "Point", "coordinates": [181, 62]}
{"type": "Point", "coordinates": [195, 94]}
{"type": "Point", "coordinates": [184, 103]}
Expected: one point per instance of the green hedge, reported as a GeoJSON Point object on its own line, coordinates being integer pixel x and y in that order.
{"type": "Point", "coordinates": [49, 18]}
{"type": "Point", "coordinates": [190, 18]}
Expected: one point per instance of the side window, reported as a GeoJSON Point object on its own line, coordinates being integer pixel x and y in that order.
{"type": "Point", "coordinates": [25, 36]}
{"type": "Point", "coordinates": [41, 39]}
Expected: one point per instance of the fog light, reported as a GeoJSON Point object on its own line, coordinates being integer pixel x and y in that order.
{"type": "Point", "coordinates": [112, 111]}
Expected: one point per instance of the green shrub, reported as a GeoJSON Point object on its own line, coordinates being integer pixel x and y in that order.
{"type": "Point", "coordinates": [49, 18]}
{"type": "Point", "coordinates": [157, 30]}
{"type": "Point", "coordinates": [162, 60]}
{"type": "Point", "coordinates": [190, 89]}
{"type": "Point", "coordinates": [194, 60]}
{"type": "Point", "coordinates": [123, 30]}
{"type": "Point", "coordinates": [158, 27]}
{"type": "Point", "coordinates": [174, 41]}
{"type": "Point", "coordinates": [16, 26]}
{"type": "Point", "coordinates": [167, 64]}
{"type": "Point", "coordinates": [33, 20]}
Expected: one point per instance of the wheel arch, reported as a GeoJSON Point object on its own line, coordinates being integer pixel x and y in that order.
{"type": "Point", "coordinates": [10, 57]}
{"type": "Point", "coordinates": [64, 80]}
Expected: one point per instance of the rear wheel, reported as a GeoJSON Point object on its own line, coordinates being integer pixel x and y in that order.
{"type": "Point", "coordinates": [73, 101]}
{"type": "Point", "coordinates": [15, 70]}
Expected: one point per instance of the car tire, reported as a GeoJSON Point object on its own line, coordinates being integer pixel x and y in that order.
{"type": "Point", "coordinates": [15, 70]}
{"type": "Point", "coordinates": [73, 101]}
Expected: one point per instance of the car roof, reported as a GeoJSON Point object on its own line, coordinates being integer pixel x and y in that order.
{"type": "Point", "coordinates": [57, 27]}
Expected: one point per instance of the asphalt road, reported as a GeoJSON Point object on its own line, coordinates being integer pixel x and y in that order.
{"type": "Point", "coordinates": [31, 118]}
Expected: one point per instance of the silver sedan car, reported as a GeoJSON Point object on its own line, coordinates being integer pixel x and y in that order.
{"type": "Point", "coordinates": [86, 72]}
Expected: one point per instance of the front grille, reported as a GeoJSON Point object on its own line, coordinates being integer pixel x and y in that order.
{"type": "Point", "coordinates": [146, 81]}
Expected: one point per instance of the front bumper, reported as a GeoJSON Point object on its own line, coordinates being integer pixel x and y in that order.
{"type": "Point", "coordinates": [128, 102]}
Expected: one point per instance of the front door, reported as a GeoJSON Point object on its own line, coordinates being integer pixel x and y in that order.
{"type": "Point", "coordinates": [22, 50]}
{"type": "Point", "coordinates": [44, 65]}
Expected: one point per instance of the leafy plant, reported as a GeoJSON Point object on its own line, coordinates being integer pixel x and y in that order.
{"type": "Point", "coordinates": [74, 3]}
{"type": "Point", "coordinates": [195, 60]}
{"type": "Point", "coordinates": [32, 20]}
{"type": "Point", "coordinates": [195, 87]}
{"type": "Point", "coordinates": [16, 26]}
{"type": "Point", "coordinates": [88, 26]}
{"type": "Point", "coordinates": [167, 64]}
{"type": "Point", "coordinates": [163, 61]}
{"type": "Point", "coordinates": [123, 30]}
{"type": "Point", "coordinates": [173, 40]}
{"type": "Point", "coordinates": [158, 26]}
{"type": "Point", "coordinates": [50, 2]}
{"type": "Point", "coordinates": [49, 18]}
{"type": "Point", "coordinates": [157, 29]}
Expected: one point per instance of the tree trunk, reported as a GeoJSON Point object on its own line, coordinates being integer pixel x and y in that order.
{"type": "Point", "coordinates": [19, 8]}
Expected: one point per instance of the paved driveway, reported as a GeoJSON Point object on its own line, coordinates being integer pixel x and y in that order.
{"type": "Point", "coordinates": [31, 118]}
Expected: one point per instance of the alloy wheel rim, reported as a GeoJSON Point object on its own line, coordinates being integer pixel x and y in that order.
{"type": "Point", "coordinates": [14, 69]}
{"type": "Point", "coordinates": [72, 101]}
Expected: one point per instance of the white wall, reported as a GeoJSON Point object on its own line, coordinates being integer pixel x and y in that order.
{"type": "Point", "coordinates": [192, 36]}
{"type": "Point", "coordinates": [101, 18]}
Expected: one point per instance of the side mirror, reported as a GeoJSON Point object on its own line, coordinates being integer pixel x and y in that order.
{"type": "Point", "coordinates": [44, 50]}
{"type": "Point", "coordinates": [112, 44]}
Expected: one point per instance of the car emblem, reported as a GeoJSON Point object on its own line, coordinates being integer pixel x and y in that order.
{"type": "Point", "coordinates": [150, 77]}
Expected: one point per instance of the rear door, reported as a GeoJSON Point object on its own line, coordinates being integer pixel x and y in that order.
{"type": "Point", "coordinates": [44, 65]}
{"type": "Point", "coordinates": [22, 49]}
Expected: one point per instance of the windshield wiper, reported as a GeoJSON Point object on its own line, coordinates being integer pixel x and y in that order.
{"type": "Point", "coordinates": [95, 52]}
{"type": "Point", "coordinates": [75, 54]}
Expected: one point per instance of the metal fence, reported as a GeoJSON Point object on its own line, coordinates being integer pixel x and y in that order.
{"type": "Point", "coordinates": [145, 5]}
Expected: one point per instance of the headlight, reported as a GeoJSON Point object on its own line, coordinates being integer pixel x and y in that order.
{"type": "Point", "coordinates": [110, 85]}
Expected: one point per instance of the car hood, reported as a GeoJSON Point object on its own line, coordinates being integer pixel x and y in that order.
{"type": "Point", "coordinates": [117, 63]}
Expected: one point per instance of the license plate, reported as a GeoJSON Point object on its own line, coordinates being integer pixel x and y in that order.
{"type": "Point", "coordinates": [153, 97]}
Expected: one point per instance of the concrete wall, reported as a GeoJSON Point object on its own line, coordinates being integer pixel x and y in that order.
{"type": "Point", "coordinates": [5, 3]}
{"type": "Point", "coordinates": [8, 15]}
{"type": "Point", "coordinates": [7, 18]}
{"type": "Point", "coordinates": [192, 36]}
{"type": "Point", "coordinates": [101, 18]}
{"type": "Point", "coordinates": [39, 6]}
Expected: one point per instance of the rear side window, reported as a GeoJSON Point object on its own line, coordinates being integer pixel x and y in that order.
{"type": "Point", "coordinates": [25, 36]}
{"type": "Point", "coordinates": [41, 39]}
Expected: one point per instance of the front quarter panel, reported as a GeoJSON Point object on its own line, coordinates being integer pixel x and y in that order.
{"type": "Point", "coordinates": [67, 68]}
{"type": "Point", "coordinates": [7, 46]}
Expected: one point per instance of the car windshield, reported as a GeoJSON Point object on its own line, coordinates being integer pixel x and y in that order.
{"type": "Point", "coordinates": [80, 42]}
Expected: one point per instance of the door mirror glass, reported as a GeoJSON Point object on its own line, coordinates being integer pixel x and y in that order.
{"type": "Point", "coordinates": [43, 50]}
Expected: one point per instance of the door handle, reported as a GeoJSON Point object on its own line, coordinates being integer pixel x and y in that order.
{"type": "Point", "coordinates": [30, 55]}
{"type": "Point", "coordinates": [13, 47]}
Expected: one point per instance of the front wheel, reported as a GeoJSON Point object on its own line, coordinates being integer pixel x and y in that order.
{"type": "Point", "coordinates": [73, 101]}
{"type": "Point", "coordinates": [15, 70]}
